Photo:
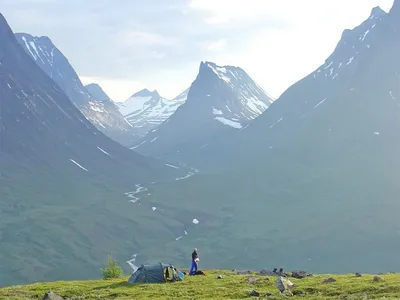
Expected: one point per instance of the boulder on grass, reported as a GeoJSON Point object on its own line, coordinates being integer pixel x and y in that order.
{"type": "Point", "coordinates": [51, 296]}
{"type": "Point", "coordinates": [268, 295]}
{"type": "Point", "coordinates": [243, 272]}
{"type": "Point", "coordinates": [252, 280]}
{"type": "Point", "coordinates": [329, 280]}
{"type": "Point", "coordinates": [300, 274]}
{"type": "Point", "coordinates": [254, 293]}
{"type": "Point", "coordinates": [285, 286]}
{"type": "Point", "coordinates": [378, 278]}
{"type": "Point", "coordinates": [267, 272]}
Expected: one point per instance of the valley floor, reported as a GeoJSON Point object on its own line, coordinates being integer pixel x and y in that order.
{"type": "Point", "coordinates": [231, 286]}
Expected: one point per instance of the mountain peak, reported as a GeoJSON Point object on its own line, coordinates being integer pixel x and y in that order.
{"type": "Point", "coordinates": [395, 8]}
{"type": "Point", "coordinates": [97, 92]}
{"type": "Point", "coordinates": [2, 20]}
{"type": "Point", "coordinates": [213, 66]}
{"type": "Point", "coordinates": [225, 73]}
{"type": "Point", "coordinates": [92, 85]}
{"type": "Point", "coordinates": [42, 39]}
{"type": "Point", "coordinates": [146, 93]}
{"type": "Point", "coordinates": [5, 29]}
{"type": "Point", "coordinates": [377, 12]}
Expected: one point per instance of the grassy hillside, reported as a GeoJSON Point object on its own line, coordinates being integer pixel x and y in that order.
{"type": "Point", "coordinates": [209, 287]}
{"type": "Point", "coordinates": [251, 221]}
{"type": "Point", "coordinates": [256, 219]}
{"type": "Point", "coordinates": [61, 228]}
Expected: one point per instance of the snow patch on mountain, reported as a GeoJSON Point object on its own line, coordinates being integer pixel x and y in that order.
{"type": "Point", "coordinates": [133, 105]}
{"type": "Point", "coordinates": [172, 166]}
{"type": "Point", "coordinates": [79, 165]}
{"type": "Point", "coordinates": [146, 110]}
{"type": "Point", "coordinates": [230, 123]}
{"type": "Point", "coordinates": [104, 151]}
{"type": "Point", "coordinates": [319, 103]}
{"type": "Point", "coordinates": [217, 111]}
{"type": "Point", "coordinates": [221, 73]}
{"type": "Point", "coordinates": [134, 147]}
{"type": "Point", "coordinates": [349, 48]}
{"type": "Point", "coordinates": [100, 112]}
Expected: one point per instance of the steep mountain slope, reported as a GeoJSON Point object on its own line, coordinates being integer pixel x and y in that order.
{"type": "Point", "coordinates": [351, 64]}
{"type": "Point", "coordinates": [313, 182]}
{"type": "Point", "coordinates": [146, 110]}
{"type": "Point", "coordinates": [97, 92]}
{"type": "Point", "coordinates": [62, 182]}
{"type": "Point", "coordinates": [220, 99]}
{"type": "Point", "coordinates": [101, 112]}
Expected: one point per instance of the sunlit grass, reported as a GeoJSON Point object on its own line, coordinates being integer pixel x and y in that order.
{"type": "Point", "coordinates": [209, 287]}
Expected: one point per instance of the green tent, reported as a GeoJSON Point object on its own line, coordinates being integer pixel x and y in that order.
{"type": "Point", "coordinates": [158, 273]}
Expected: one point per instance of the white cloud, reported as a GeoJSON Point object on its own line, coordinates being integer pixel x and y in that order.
{"type": "Point", "coordinates": [131, 37]}
{"type": "Point", "coordinates": [215, 46]}
{"type": "Point", "coordinates": [159, 45]}
{"type": "Point", "coordinates": [157, 55]}
{"type": "Point", "coordinates": [291, 11]}
{"type": "Point", "coordinates": [278, 56]}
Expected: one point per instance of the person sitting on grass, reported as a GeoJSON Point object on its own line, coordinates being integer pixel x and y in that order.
{"type": "Point", "coordinates": [195, 260]}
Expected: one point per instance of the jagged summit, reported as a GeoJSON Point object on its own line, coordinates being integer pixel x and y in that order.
{"type": "Point", "coordinates": [4, 28]}
{"type": "Point", "coordinates": [97, 92]}
{"type": "Point", "coordinates": [146, 93]}
{"type": "Point", "coordinates": [102, 113]}
{"type": "Point", "coordinates": [42, 38]}
{"type": "Point", "coordinates": [207, 66]}
{"type": "Point", "coordinates": [377, 12]}
{"type": "Point", "coordinates": [222, 98]}
{"type": "Point", "coordinates": [395, 8]}
{"type": "Point", "coordinates": [146, 109]}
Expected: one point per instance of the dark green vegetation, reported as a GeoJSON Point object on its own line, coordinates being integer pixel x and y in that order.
{"type": "Point", "coordinates": [45, 237]}
{"type": "Point", "coordinates": [58, 219]}
{"type": "Point", "coordinates": [312, 183]}
{"type": "Point", "coordinates": [287, 219]}
{"type": "Point", "coordinates": [111, 269]}
{"type": "Point", "coordinates": [208, 287]}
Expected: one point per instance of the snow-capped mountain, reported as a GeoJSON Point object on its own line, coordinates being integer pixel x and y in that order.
{"type": "Point", "coordinates": [246, 102]}
{"type": "Point", "coordinates": [39, 124]}
{"type": "Point", "coordinates": [220, 99]}
{"type": "Point", "coordinates": [56, 166]}
{"type": "Point", "coordinates": [101, 112]}
{"type": "Point", "coordinates": [321, 166]}
{"type": "Point", "coordinates": [341, 107]}
{"type": "Point", "coordinates": [146, 110]}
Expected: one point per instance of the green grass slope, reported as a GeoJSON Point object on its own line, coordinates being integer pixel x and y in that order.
{"type": "Point", "coordinates": [209, 287]}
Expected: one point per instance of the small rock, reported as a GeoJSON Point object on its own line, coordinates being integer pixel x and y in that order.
{"type": "Point", "coordinates": [268, 295]}
{"type": "Point", "coordinates": [280, 272]}
{"type": "Point", "coordinates": [378, 278]}
{"type": "Point", "coordinates": [51, 296]}
{"type": "Point", "coordinates": [219, 277]}
{"type": "Point", "coordinates": [252, 280]}
{"type": "Point", "coordinates": [284, 285]}
{"type": "Point", "coordinates": [358, 275]}
{"type": "Point", "coordinates": [254, 293]}
{"type": "Point", "coordinates": [267, 272]}
{"type": "Point", "coordinates": [329, 280]}
{"type": "Point", "coordinates": [243, 272]}
{"type": "Point", "coordinates": [300, 274]}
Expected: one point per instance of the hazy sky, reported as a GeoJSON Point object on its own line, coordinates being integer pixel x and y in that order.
{"type": "Point", "coordinates": [127, 45]}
